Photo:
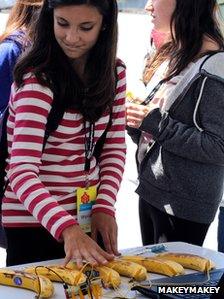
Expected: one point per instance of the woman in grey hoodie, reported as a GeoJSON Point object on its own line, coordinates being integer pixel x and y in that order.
{"type": "Point", "coordinates": [179, 127]}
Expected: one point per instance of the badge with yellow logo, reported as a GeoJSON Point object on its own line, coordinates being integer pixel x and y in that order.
{"type": "Point", "coordinates": [86, 198]}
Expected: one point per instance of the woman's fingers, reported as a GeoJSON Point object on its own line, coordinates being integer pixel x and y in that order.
{"type": "Point", "coordinates": [110, 241]}
{"type": "Point", "coordinates": [66, 260]}
{"type": "Point", "coordinates": [68, 257]}
{"type": "Point", "coordinates": [106, 242]}
{"type": "Point", "coordinates": [78, 258]}
{"type": "Point", "coordinates": [135, 114]}
{"type": "Point", "coordinates": [106, 256]}
{"type": "Point", "coordinates": [79, 262]}
{"type": "Point", "coordinates": [96, 256]}
{"type": "Point", "coordinates": [113, 240]}
{"type": "Point", "coordinates": [84, 250]}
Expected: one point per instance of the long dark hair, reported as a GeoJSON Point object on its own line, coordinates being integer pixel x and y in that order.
{"type": "Point", "coordinates": [191, 21]}
{"type": "Point", "coordinates": [53, 68]}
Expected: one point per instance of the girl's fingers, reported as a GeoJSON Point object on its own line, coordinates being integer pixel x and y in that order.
{"type": "Point", "coordinates": [78, 258]}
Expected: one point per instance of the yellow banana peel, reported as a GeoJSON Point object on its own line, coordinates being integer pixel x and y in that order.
{"type": "Point", "coordinates": [59, 274]}
{"type": "Point", "coordinates": [189, 261]}
{"type": "Point", "coordinates": [20, 279]}
{"type": "Point", "coordinates": [128, 269]}
{"type": "Point", "coordinates": [157, 265]}
{"type": "Point", "coordinates": [110, 277]}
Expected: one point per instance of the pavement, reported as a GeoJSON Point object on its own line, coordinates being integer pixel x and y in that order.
{"type": "Point", "coordinates": [134, 32]}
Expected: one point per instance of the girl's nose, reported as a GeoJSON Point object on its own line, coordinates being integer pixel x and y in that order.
{"type": "Point", "coordinates": [149, 6]}
{"type": "Point", "coordinates": [72, 36]}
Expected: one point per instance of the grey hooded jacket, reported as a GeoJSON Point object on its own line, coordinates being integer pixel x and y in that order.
{"type": "Point", "coordinates": [183, 172]}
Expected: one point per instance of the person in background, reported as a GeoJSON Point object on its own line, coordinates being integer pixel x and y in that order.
{"type": "Point", "coordinates": [58, 190]}
{"type": "Point", "coordinates": [178, 125]}
{"type": "Point", "coordinates": [157, 37]}
{"type": "Point", "coordinates": [13, 41]}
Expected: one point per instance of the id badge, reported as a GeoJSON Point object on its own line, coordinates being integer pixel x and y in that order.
{"type": "Point", "coordinates": [86, 198]}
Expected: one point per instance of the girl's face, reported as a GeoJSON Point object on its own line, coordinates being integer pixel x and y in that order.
{"type": "Point", "coordinates": [161, 12]}
{"type": "Point", "coordinates": [76, 29]}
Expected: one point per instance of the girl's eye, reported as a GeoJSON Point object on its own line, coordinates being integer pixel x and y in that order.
{"type": "Point", "coordinates": [87, 28]}
{"type": "Point", "coordinates": [62, 24]}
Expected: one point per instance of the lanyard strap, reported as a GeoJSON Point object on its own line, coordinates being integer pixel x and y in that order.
{"type": "Point", "coordinates": [89, 144]}
{"type": "Point", "coordinates": [153, 92]}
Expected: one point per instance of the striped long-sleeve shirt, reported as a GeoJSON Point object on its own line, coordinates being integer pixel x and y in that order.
{"type": "Point", "coordinates": [43, 183]}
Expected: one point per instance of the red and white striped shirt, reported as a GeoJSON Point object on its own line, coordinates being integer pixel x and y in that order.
{"type": "Point", "coordinates": [43, 184]}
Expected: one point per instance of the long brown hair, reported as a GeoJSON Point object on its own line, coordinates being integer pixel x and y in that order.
{"type": "Point", "coordinates": [191, 21]}
{"type": "Point", "coordinates": [54, 69]}
{"type": "Point", "coordinates": [21, 16]}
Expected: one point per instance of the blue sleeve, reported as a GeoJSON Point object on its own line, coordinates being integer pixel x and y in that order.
{"type": "Point", "coordinates": [9, 52]}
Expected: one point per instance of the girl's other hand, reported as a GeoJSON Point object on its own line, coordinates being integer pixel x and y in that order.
{"type": "Point", "coordinates": [106, 226]}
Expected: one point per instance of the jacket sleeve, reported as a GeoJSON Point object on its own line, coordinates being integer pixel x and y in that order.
{"type": "Point", "coordinates": [134, 134]}
{"type": "Point", "coordinates": [188, 141]}
{"type": "Point", "coordinates": [9, 53]}
{"type": "Point", "coordinates": [112, 158]}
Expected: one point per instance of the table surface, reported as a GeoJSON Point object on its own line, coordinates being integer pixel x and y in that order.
{"type": "Point", "coordinates": [217, 257]}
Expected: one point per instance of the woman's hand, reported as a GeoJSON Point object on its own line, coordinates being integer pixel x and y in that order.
{"type": "Point", "coordinates": [135, 114]}
{"type": "Point", "coordinates": [79, 246]}
{"type": "Point", "coordinates": [106, 226]}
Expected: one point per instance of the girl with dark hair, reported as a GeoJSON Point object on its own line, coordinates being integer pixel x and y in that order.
{"type": "Point", "coordinates": [58, 189]}
{"type": "Point", "coordinates": [179, 126]}
{"type": "Point", "coordinates": [13, 41]}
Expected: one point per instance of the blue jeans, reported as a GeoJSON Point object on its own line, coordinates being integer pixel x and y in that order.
{"type": "Point", "coordinates": [221, 230]}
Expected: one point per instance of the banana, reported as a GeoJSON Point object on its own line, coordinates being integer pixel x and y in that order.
{"type": "Point", "coordinates": [20, 279]}
{"type": "Point", "coordinates": [157, 265]}
{"type": "Point", "coordinates": [129, 269]}
{"type": "Point", "coordinates": [110, 277]}
{"type": "Point", "coordinates": [59, 273]}
{"type": "Point", "coordinates": [72, 265]}
{"type": "Point", "coordinates": [190, 261]}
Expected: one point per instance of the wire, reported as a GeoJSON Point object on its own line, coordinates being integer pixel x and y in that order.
{"type": "Point", "coordinates": [65, 286]}
{"type": "Point", "coordinates": [39, 284]}
{"type": "Point", "coordinates": [51, 270]}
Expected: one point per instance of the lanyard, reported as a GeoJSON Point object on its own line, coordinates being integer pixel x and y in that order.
{"type": "Point", "coordinates": [153, 92]}
{"type": "Point", "coordinates": [89, 145]}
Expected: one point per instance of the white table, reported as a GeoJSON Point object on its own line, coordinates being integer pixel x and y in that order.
{"type": "Point", "coordinates": [216, 257]}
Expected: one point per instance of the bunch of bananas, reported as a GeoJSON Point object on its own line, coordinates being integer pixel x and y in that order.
{"type": "Point", "coordinates": [110, 274]}
{"type": "Point", "coordinates": [87, 281]}
{"type": "Point", "coordinates": [136, 267]}
{"type": "Point", "coordinates": [172, 263]}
